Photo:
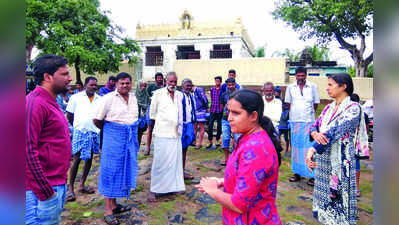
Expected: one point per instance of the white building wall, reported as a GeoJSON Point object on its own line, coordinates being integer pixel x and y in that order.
{"type": "Point", "coordinates": [202, 44]}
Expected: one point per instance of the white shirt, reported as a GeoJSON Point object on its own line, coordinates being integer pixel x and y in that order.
{"type": "Point", "coordinates": [167, 114]}
{"type": "Point", "coordinates": [302, 109]}
{"type": "Point", "coordinates": [83, 111]}
{"type": "Point", "coordinates": [273, 110]}
{"type": "Point", "coordinates": [114, 108]}
{"type": "Point", "coordinates": [188, 108]}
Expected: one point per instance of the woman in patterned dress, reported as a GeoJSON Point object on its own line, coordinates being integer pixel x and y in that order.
{"type": "Point", "coordinates": [250, 181]}
{"type": "Point", "coordinates": [333, 154]}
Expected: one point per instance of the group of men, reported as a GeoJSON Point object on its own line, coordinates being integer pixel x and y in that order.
{"type": "Point", "coordinates": [110, 124]}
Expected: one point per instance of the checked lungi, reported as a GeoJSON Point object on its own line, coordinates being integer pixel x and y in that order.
{"type": "Point", "coordinates": [118, 167]}
{"type": "Point", "coordinates": [85, 142]}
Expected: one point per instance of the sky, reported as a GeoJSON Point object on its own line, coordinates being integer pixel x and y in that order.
{"type": "Point", "coordinates": [256, 16]}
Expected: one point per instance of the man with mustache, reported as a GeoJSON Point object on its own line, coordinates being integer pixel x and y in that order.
{"type": "Point", "coordinates": [303, 99]}
{"type": "Point", "coordinates": [48, 145]}
{"type": "Point", "coordinates": [85, 139]}
{"type": "Point", "coordinates": [117, 114]}
{"type": "Point", "coordinates": [166, 111]}
{"type": "Point", "coordinates": [273, 106]}
{"type": "Point", "coordinates": [159, 83]}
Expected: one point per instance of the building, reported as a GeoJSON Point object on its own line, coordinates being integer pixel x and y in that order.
{"type": "Point", "coordinates": [164, 44]}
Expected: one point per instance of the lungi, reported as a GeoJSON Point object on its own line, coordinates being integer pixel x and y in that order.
{"type": "Point", "coordinates": [188, 135]}
{"type": "Point", "coordinates": [118, 167]}
{"type": "Point", "coordinates": [85, 142]}
{"type": "Point", "coordinates": [167, 166]}
{"type": "Point", "coordinates": [300, 143]}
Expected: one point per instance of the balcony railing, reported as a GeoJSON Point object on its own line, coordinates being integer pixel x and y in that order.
{"type": "Point", "coordinates": [188, 55]}
{"type": "Point", "coordinates": [221, 54]}
{"type": "Point", "coordinates": [154, 58]}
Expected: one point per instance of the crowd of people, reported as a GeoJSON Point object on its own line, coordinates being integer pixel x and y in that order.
{"type": "Point", "coordinates": [63, 124]}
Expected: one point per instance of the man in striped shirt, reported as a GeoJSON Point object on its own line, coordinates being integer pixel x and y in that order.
{"type": "Point", "coordinates": [216, 113]}
{"type": "Point", "coordinates": [48, 145]}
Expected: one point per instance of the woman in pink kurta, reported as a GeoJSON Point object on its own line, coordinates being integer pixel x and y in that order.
{"type": "Point", "coordinates": [250, 181]}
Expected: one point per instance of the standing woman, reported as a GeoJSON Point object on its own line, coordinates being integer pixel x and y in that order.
{"type": "Point", "coordinates": [334, 132]}
{"type": "Point", "coordinates": [250, 180]}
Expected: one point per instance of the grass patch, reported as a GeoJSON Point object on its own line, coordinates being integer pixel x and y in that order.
{"type": "Point", "coordinates": [80, 211]}
{"type": "Point", "coordinates": [215, 208]}
{"type": "Point", "coordinates": [141, 157]}
{"type": "Point", "coordinates": [139, 188]}
{"type": "Point", "coordinates": [202, 168]}
{"type": "Point", "coordinates": [367, 207]}
{"type": "Point", "coordinates": [160, 213]}
{"type": "Point", "coordinates": [366, 188]}
{"type": "Point", "coordinates": [202, 155]}
{"type": "Point", "coordinates": [284, 172]}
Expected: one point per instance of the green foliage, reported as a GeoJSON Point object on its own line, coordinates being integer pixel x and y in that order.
{"type": "Point", "coordinates": [317, 53]}
{"type": "Point", "coordinates": [80, 32]}
{"type": "Point", "coordinates": [370, 70]}
{"type": "Point", "coordinates": [288, 53]}
{"type": "Point", "coordinates": [321, 18]}
{"type": "Point", "coordinates": [351, 71]}
{"type": "Point", "coordinates": [343, 20]}
{"type": "Point", "coordinates": [260, 52]}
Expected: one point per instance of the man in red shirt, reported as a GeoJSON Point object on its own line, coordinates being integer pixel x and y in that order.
{"type": "Point", "coordinates": [48, 145]}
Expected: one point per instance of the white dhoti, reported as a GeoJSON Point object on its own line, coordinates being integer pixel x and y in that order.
{"type": "Point", "coordinates": [167, 166]}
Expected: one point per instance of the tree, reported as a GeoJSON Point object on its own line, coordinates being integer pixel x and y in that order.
{"type": "Point", "coordinates": [289, 53]}
{"type": "Point", "coordinates": [80, 32]}
{"type": "Point", "coordinates": [260, 52]}
{"type": "Point", "coordinates": [318, 53]}
{"type": "Point", "coordinates": [344, 20]}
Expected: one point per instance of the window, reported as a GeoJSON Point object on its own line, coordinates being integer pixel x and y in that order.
{"type": "Point", "coordinates": [187, 52]}
{"type": "Point", "coordinates": [221, 51]}
{"type": "Point", "coordinates": [154, 56]}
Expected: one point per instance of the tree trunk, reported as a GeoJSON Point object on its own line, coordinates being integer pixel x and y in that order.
{"type": "Point", "coordinates": [77, 69]}
{"type": "Point", "coordinates": [29, 52]}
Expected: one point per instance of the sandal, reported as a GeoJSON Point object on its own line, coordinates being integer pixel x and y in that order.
{"type": "Point", "coordinates": [70, 197]}
{"type": "Point", "coordinates": [111, 220]}
{"type": "Point", "coordinates": [223, 163]}
{"type": "Point", "coordinates": [295, 178]}
{"type": "Point", "coordinates": [198, 146]}
{"type": "Point", "coordinates": [121, 209]}
{"type": "Point", "coordinates": [311, 182]}
{"type": "Point", "coordinates": [188, 176]}
{"type": "Point", "coordinates": [87, 190]}
{"type": "Point", "coordinates": [357, 193]}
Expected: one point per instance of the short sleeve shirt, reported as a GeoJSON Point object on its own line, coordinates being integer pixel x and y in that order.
{"type": "Point", "coordinates": [302, 109]}
{"type": "Point", "coordinates": [113, 108]}
{"type": "Point", "coordinates": [83, 111]}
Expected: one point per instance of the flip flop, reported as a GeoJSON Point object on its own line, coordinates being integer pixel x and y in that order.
{"type": "Point", "coordinates": [223, 164]}
{"type": "Point", "coordinates": [111, 220]}
{"type": "Point", "coordinates": [295, 178]}
{"type": "Point", "coordinates": [310, 182]}
{"type": "Point", "coordinates": [121, 209]}
{"type": "Point", "coordinates": [87, 190]}
{"type": "Point", "coordinates": [188, 176]}
{"type": "Point", "coordinates": [70, 197]}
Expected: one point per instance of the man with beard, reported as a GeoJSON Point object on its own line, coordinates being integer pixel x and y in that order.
{"type": "Point", "coordinates": [189, 118]}
{"type": "Point", "coordinates": [159, 83]}
{"type": "Point", "coordinates": [48, 145]}
{"type": "Point", "coordinates": [85, 139]}
{"type": "Point", "coordinates": [166, 111]}
{"type": "Point", "coordinates": [303, 99]}
{"type": "Point", "coordinates": [117, 115]}
{"type": "Point", "coordinates": [273, 106]}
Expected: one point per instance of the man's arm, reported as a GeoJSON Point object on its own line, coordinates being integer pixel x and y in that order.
{"type": "Point", "coordinates": [98, 123]}
{"type": "Point", "coordinates": [288, 97]}
{"type": "Point", "coordinates": [70, 117]}
{"type": "Point", "coordinates": [35, 120]}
